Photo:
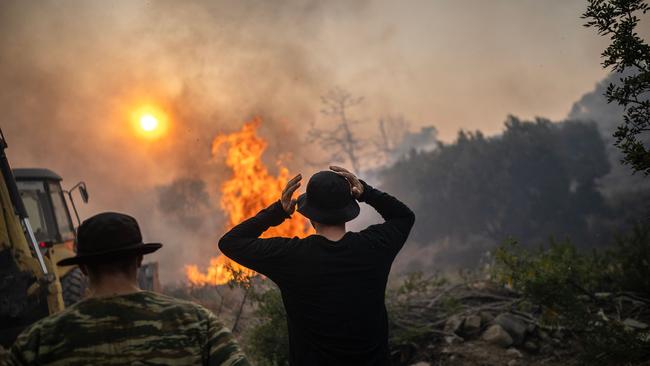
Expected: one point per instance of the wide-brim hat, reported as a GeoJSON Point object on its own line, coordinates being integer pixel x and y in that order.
{"type": "Point", "coordinates": [328, 199]}
{"type": "Point", "coordinates": [107, 237]}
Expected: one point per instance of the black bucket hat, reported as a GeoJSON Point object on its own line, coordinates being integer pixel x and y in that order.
{"type": "Point", "coordinates": [328, 199]}
{"type": "Point", "coordinates": [106, 237]}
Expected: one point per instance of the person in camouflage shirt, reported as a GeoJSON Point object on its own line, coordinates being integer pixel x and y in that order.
{"type": "Point", "coordinates": [119, 324]}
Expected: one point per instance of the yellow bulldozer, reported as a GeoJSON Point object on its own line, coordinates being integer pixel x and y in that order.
{"type": "Point", "coordinates": [36, 231]}
{"type": "Point", "coordinates": [49, 216]}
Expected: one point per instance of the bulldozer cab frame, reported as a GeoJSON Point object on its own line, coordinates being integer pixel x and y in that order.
{"type": "Point", "coordinates": [45, 203]}
{"type": "Point", "coordinates": [40, 190]}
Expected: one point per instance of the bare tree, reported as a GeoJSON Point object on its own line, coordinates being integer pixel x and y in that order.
{"type": "Point", "coordinates": [392, 130]}
{"type": "Point", "coordinates": [339, 141]}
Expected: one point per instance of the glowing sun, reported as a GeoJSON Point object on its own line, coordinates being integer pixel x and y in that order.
{"type": "Point", "coordinates": [148, 122]}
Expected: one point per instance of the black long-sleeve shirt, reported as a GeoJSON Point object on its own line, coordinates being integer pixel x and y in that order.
{"type": "Point", "coordinates": [333, 292]}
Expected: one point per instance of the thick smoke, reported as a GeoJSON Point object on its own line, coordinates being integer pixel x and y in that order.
{"type": "Point", "coordinates": [186, 202]}
{"type": "Point", "coordinates": [593, 106]}
{"type": "Point", "coordinates": [73, 72]}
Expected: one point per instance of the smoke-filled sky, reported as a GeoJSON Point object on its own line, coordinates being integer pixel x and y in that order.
{"type": "Point", "coordinates": [72, 73]}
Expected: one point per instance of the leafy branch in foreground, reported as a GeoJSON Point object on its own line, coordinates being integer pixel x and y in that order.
{"type": "Point", "coordinates": [618, 20]}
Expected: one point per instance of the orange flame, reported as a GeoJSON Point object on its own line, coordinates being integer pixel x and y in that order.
{"type": "Point", "coordinates": [250, 189]}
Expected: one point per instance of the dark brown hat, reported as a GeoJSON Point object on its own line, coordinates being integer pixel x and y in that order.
{"type": "Point", "coordinates": [106, 237]}
{"type": "Point", "coordinates": [328, 199]}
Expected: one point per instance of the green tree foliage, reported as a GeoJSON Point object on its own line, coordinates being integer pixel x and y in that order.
{"type": "Point", "coordinates": [630, 261]}
{"type": "Point", "coordinates": [535, 180]}
{"type": "Point", "coordinates": [618, 20]}
{"type": "Point", "coordinates": [268, 342]}
{"type": "Point", "coordinates": [588, 295]}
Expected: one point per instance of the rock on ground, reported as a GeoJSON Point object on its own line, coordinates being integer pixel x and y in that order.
{"type": "Point", "coordinates": [472, 325]}
{"type": "Point", "coordinates": [514, 352]}
{"type": "Point", "coordinates": [513, 325]}
{"type": "Point", "coordinates": [495, 334]}
{"type": "Point", "coordinates": [486, 317]}
{"type": "Point", "coordinates": [453, 324]}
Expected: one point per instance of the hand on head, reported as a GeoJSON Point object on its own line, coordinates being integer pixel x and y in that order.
{"type": "Point", "coordinates": [289, 203]}
{"type": "Point", "coordinates": [287, 200]}
{"type": "Point", "coordinates": [356, 187]}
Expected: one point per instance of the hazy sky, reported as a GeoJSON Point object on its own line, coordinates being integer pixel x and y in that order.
{"type": "Point", "coordinates": [466, 64]}
{"type": "Point", "coordinates": [73, 72]}
{"type": "Point", "coordinates": [455, 64]}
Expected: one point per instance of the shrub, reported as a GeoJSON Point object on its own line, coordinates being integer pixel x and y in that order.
{"type": "Point", "coordinates": [268, 341]}
{"type": "Point", "coordinates": [587, 293]}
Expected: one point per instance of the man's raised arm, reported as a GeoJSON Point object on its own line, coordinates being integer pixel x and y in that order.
{"type": "Point", "coordinates": [242, 243]}
{"type": "Point", "coordinates": [399, 219]}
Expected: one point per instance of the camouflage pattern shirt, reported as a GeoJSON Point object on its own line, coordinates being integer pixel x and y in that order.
{"type": "Point", "coordinates": [142, 328]}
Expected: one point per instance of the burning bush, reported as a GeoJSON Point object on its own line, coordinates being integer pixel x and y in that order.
{"type": "Point", "coordinates": [250, 189]}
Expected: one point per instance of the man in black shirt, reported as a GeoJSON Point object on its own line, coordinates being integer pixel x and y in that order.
{"type": "Point", "coordinates": [332, 283]}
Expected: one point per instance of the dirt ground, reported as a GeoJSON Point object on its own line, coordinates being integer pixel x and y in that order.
{"type": "Point", "coordinates": [480, 353]}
